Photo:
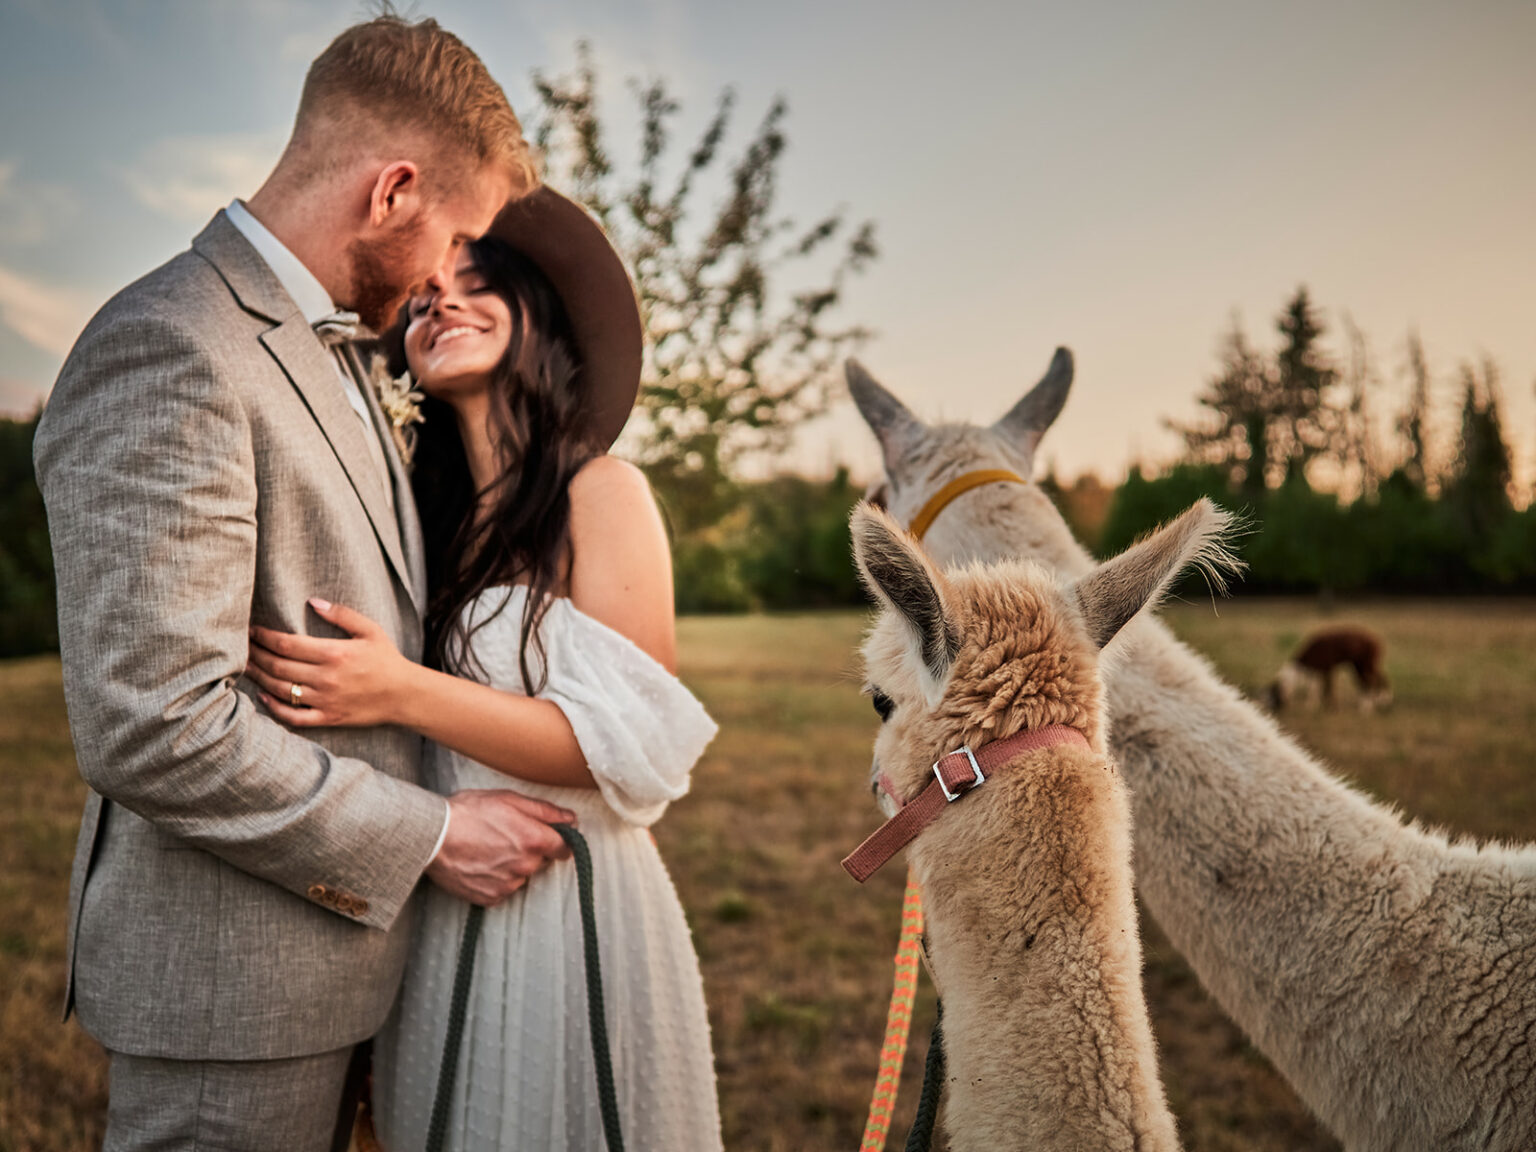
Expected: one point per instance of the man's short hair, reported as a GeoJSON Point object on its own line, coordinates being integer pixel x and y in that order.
{"type": "Point", "coordinates": [394, 74]}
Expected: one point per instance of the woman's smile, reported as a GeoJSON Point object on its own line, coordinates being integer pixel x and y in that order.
{"type": "Point", "coordinates": [458, 332]}
{"type": "Point", "coordinates": [453, 333]}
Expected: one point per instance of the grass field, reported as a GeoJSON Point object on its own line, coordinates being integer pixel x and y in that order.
{"type": "Point", "coordinates": [796, 956]}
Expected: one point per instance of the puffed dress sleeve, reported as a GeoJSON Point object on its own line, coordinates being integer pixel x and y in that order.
{"type": "Point", "coordinates": [640, 729]}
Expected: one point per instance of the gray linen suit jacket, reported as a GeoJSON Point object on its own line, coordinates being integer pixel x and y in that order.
{"type": "Point", "coordinates": [239, 891]}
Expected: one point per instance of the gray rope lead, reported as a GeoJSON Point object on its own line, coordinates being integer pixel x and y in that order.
{"type": "Point", "coordinates": [437, 1128]}
{"type": "Point", "coordinates": [608, 1100]}
{"type": "Point", "coordinates": [607, 1096]}
{"type": "Point", "coordinates": [920, 1138]}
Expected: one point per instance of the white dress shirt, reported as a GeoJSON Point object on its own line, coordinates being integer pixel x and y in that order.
{"type": "Point", "coordinates": [315, 304]}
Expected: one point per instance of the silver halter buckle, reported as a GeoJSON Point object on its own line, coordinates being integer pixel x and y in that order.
{"type": "Point", "coordinates": [949, 796]}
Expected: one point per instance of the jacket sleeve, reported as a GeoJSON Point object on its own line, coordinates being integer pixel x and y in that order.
{"type": "Point", "coordinates": [147, 467]}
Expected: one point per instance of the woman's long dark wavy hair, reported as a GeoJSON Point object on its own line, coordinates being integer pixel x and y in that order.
{"type": "Point", "coordinates": [538, 414]}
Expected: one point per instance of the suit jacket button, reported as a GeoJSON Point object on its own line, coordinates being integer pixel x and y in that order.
{"type": "Point", "coordinates": [359, 906]}
{"type": "Point", "coordinates": [317, 891]}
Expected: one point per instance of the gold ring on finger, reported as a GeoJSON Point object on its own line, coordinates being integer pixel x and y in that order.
{"type": "Point", "coordinates": [296, 695]}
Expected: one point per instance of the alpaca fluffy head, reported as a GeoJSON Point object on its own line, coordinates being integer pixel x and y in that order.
{"type": "Point", "coordinates": [978, 653]}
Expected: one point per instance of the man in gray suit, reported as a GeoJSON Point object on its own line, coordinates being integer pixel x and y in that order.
{"type": "Point", "coordinates": [239, 908]}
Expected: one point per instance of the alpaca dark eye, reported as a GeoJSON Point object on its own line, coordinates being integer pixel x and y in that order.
{"type": "Point", "coordinates": [883, 703]}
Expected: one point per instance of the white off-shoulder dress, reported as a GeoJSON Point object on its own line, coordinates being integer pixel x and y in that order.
{"type": "Point", "coordinates": [526, 1074]}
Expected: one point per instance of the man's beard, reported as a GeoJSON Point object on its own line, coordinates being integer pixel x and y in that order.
{"type": "Point", "coordinates": [379, 288]}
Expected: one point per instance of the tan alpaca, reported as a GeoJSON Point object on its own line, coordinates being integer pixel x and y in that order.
{"type": "Point", "coordinates": [1389, 974]}
{"type": "Point", "coordinates": [1031, 924]}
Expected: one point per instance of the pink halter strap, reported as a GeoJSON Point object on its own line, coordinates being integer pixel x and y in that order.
{"type": "Point", "coordinates": [955, 774]}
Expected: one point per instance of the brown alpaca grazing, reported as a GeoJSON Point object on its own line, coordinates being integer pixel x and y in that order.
{"type": "Point", "coordinates": [1031, 923]}
{"type": "Point", "coordinates": [1311, 669]}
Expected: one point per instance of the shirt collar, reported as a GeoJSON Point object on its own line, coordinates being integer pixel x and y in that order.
{"type": "Point", "coordinates": [298, 281]}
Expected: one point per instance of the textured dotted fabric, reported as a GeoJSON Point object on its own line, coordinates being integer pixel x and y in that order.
{"type": "Point", "coordinates": [526, 1078]}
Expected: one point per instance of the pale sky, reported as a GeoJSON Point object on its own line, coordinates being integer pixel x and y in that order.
{"type": "Point", "coordinates": [1116, 177]}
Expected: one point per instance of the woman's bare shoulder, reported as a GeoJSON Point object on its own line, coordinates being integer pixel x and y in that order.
{"type": "Point", "coordinates": [621, 572]}
{"type": "Point", "coordinates": [608, 474]}
{"type": "Point", "coordinates": [605, 490]}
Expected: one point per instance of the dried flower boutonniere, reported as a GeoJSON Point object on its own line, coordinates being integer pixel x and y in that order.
{"type": "Point", "coordinates": [401, 403]}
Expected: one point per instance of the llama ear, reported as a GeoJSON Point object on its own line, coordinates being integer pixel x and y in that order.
{"type": "Point", "coordinates": [897, 574]}
{"type": "Point", "coordinates": [888, 418]}
{"type": "Point", "coordinates": [1116, 590]}
{"type": "Point", "coordinates": [1031, 416]}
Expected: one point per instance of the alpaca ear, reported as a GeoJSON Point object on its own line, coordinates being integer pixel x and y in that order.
{"type": "Point", "coordinates": [1116, 590]}
{"type": "Point", "coordinates": [897, 574]}
{"type": "Point", "coordinates": [888, 418]}
{"type": "Point", "coordinates": [1031, 416]}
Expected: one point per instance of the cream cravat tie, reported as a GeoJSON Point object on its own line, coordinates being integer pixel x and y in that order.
{"type": "Point", "coordinates": [334, 331]}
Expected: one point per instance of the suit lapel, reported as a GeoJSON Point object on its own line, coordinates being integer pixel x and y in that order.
{"type": "Point", "coordinates": [312, 371]}
{"type": "Point", "coordinates": [406, 518]}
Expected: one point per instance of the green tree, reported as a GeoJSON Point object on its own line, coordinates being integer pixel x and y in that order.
{"type": "Point", "coordinates": [1240, 398]}
{"type": "Point", "coordinates": [785, 545]}
{"type": "Point", "coordinates": [1409, 539]}
{"type": "Point", "coordinates": [1425, 526]}
{"type": "Point", "coordinates": [734, 359]}
{"type": "Point", "coordinates": [1270, 418]}
{"type": "Point", "coordinates": [28, 616]}
{"type": "Point", "coordinates": [797, 553]}
{"type": "Point", "coordinates": [1352, 444]}
{"type": "Point", "coordinates": [1301, 426]}
{"type": "Point", "coordinates": [1413, 424]}
{"type": "Point", "coordinates": [1477, 488]}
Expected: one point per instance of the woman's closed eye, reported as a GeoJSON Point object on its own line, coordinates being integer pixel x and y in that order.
{"type": "Point", "coordinates": [471, 282]}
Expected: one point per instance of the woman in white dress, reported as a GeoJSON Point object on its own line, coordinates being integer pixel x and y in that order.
{"type": "Point", "coordinates": [550, 661]}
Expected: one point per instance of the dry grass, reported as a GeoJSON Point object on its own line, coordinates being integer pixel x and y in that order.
{"type": "Point", "coordinates": [53, 1081]}
{"type": "Point", "coordinates": [796, 956]}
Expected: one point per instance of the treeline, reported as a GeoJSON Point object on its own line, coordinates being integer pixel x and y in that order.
{"type": "Point", "coordinates": [1288, 438]}
{"type": "Point", "coordinates": [1337, 496]}
{"type": "Point", "coordinates": [1398, 539]}
{"type": "Point", "coordinates": [782, 545]}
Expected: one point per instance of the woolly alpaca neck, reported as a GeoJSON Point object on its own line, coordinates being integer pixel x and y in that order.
{"type": "Point", "coordinates": [1032, 941]}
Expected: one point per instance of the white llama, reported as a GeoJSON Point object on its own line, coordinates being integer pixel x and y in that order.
{"type": "Point", "coordinates": [1030, 918]}
{"type": "Point", "coordinates": [1389, 974]}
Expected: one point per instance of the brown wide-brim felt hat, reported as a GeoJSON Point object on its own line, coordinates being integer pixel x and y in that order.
{"type": "Point", "coordinates": [574, 252]}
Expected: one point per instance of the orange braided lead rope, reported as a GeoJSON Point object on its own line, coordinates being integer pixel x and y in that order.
{"type": "Point", "coordinates": [898, 1021]}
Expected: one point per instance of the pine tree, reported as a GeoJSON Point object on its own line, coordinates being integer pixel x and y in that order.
{"type": "Point", "coordinates": [1272, 418]}
{"type": "Point", "coordinates": [1241, 400]}
{"type": "Point", "coordinates": [1477, 490]}
{"type": "Point", "coordinates": [1412, 425]}
{"type": "Point", "coordinates": [1302, 427]}
{"type": "Point", "coordinates": [1352, 438]}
